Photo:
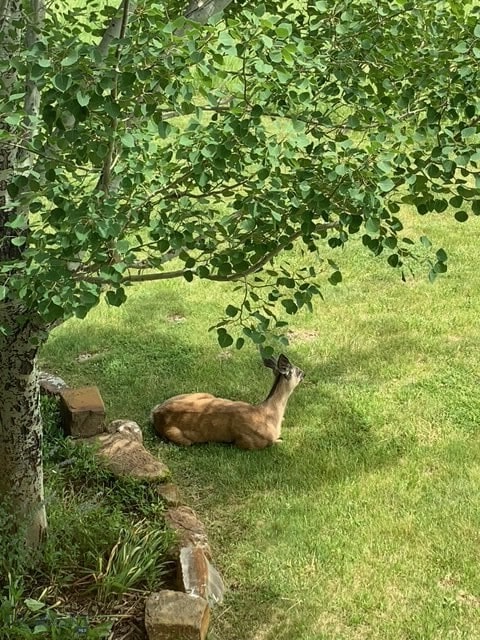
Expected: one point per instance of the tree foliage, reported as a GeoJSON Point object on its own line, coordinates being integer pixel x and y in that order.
{"type": "Point", "coordinates": [209, 151]}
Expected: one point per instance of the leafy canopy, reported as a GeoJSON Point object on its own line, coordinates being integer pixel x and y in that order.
{"type": "Point", "coordinates": [189, 150]}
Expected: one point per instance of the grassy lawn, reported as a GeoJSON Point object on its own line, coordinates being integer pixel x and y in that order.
{"type": "Point", "coordinates": [365, 522]}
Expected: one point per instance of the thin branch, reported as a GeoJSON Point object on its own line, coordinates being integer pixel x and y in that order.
{"type": "Point", "coordinates": [168, 275]}
{"type": "Point", "coordinates": [272, 254]}
{"type": "Point", "coordinates": [114, 29]}
{"type": "Point", "coordinates": [202, 10]}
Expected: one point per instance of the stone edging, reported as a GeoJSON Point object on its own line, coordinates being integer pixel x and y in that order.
{"type": "Point", "coordinates": [183, 611]}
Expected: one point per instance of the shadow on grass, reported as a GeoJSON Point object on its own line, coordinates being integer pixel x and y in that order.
{"type": "Point", "coordinates": [148, 358]}
{"type": "Point", "coordinates": [336, 450]}
{"type": "Point", "coordinates": [328, 440]}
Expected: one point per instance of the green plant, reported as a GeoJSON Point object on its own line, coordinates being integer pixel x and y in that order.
{"type": "Point", "coordinates": [24, 618]}
{"type": "Point", "coordinates": [132, 496]}
{"type": "Point", "coordinates": [96, 546]}
{"type": "Point", "coordinates": [134, 561]}
{"type": "Point", "coordinates": [10, 602]}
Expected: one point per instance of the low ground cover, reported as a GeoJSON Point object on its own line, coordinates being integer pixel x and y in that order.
{"type": "Point", "coordinates": [106, 548]}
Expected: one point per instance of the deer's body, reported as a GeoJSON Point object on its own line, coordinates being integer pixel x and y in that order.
{"type": "Point", "coordinates": [201, 417]}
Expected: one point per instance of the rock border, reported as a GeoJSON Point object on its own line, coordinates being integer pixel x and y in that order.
{"type": "Point", "coordinates": [182, 612]}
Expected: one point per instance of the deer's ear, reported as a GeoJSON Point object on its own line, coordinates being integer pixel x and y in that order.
{"type": "Point", "coordinates": [270, 363]}
{"type": "Point", "coordinates": [283, 364]}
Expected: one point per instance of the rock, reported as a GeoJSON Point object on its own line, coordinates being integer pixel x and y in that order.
{"type": "Point", "coordinates": [124, 455]}
{"type": "Point", "coordinates": [197, 576]}
{"type": "Point", "coordinates": [83, 411]}
{"type": "Point", "coordinates": [189, 529]}
{"type": "Point", "coordinates": [172, 615]}
{"type": "Point", "coordinates": [170, 494]}
{"type": "Point", "coordinates": [50, 384]}
{"type": "Point", "coordinates": [128, 429]}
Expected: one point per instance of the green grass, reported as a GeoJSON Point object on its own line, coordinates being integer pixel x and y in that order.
{"type": "Point", "coordinates": [365, 522]}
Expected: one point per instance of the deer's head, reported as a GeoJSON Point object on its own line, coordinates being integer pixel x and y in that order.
{"type": "Point", "coordinates": [284, 368]}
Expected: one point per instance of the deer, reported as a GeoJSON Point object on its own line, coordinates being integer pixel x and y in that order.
{"type": "Point", "coordinates": [193, 418]}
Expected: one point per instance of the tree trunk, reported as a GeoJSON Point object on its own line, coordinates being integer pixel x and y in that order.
{"type": "Point", "coordinates": [21, 469]}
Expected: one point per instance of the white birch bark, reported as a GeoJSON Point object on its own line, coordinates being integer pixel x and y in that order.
{"type": "Point", "coordinates": [21, 477]}
{"type": "Point", "coordinates": [203, 10]}
{"type": "Point", "coordinates": [21, 470]}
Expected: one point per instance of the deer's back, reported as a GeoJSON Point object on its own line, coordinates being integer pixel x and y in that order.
{"type": "Point", "coordinates": [202, 417]}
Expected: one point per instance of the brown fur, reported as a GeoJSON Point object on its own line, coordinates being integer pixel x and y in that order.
{"type": "Point", "coordinates": [201, 417]}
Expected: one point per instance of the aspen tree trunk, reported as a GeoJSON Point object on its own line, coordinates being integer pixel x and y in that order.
{"type": "Point", "coordinates": [21, 469]}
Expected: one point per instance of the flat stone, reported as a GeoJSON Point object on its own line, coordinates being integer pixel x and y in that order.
{"type": "Point", "coordinates": [128, 429]}
{"type": "Point", "coordinates": [126, 456]}
{"type": "Point", "coordinates": [50, 384]}
{"type": "Point", "coordinates": [189, 529]}
{"type": "Point", "coordinates": [83, 411]}
{"type": "Point", "coordinates": [172, 615]}
{"type": "Point", "coordinates": [197, 576]}
{"type": "Point", "coordinates": [170, 494]}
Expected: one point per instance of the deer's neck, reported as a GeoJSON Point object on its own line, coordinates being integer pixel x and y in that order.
{"type": "Point", "coordinates": [277, 399]}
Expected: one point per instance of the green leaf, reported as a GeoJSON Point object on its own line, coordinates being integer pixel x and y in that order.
{"type": "Point", "coordinates": [70, 59]}
{"type": "Point", "coordinates": [290, 306]}
{"type": "Point", "coordinates": [34, 605]}
{"type": "Point", "coordinates": [390, 242]}
{"type": "Point", "coordinates": [284, 30]}
{"type": "Point", "coordinates": [82, 98]}
{"type": "Point", "coordinates": [440, 267]}
{"type": "Point", "coordinates": [461, 216]}
{"type": "Point", "coordinates": [13, 119]}
{"type": "Point", "coordinates": [40, 628]}
{"type": "Point", "coordinates": [231, 311]}
{"type": "Point", "coordinates": [239, 343]}
{"type": "Point", "coordinates": [441, 255]}
{"type": "Point", "coordinates": [116, 297]}
{"type": "Point", "coordinates": [372, 225]}
{"type": "Point", "coordinates": [224, 338]}
{"type": "Point", "coordinates": [386, 185]}
{"type": "Point", "coordinates": [393, 260]}
{"type": "Point", "coordinates": [128, 140]}
{"type": "Point", "coordinates": [468, 132]}
{"type": "Point", "coordinates": [19, 222]}
{"type": "Point", "coordinates": [62, 82]}
{"type": "Point", "coordinates": [188, 275]}
{"type": "Point", "coordinates": [3, 292]}
{"type": "Point", "coordinates": [335, 277]}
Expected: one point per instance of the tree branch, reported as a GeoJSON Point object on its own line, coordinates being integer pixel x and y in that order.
{"type": "Point", "coordinates": [202, 10]}
{"type": "Point", "coordinates": [178, 273]}
{"type": "Point", "coordinates": [116, 28]}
